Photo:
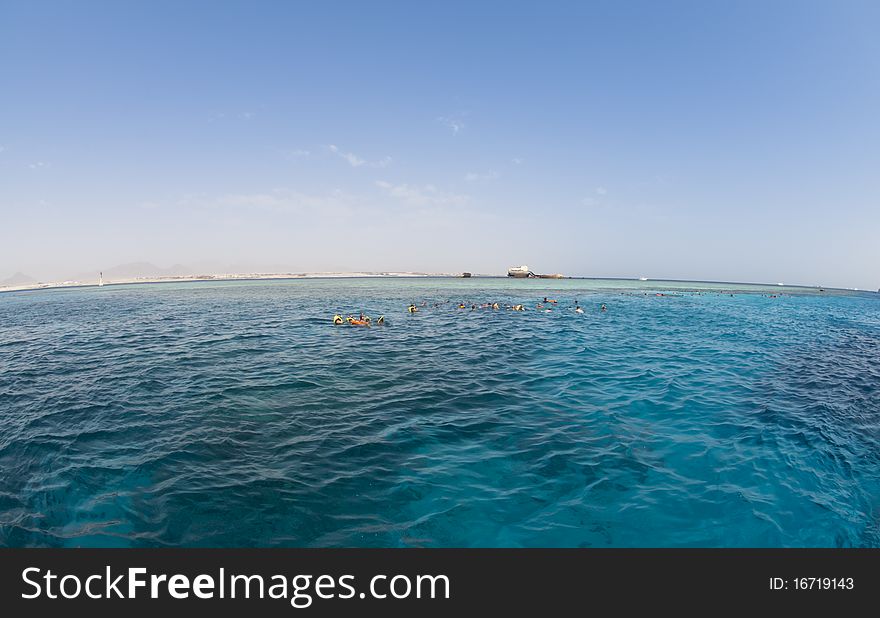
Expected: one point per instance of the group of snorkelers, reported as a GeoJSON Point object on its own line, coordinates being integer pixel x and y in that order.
{"type": "Point", "coordinates": [361, 320]}
{"type": "Point", "coordinates": [548, 303]}
{"type": "Point", "coordinates": [545, 305]}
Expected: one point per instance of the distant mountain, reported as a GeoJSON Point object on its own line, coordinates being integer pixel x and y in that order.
{"type": "Point", "coordinates": [135, 270]}
{"type": "Point", "coordinates": [17, 279]}
{"type": "Point", "coordinates": [132, 270]}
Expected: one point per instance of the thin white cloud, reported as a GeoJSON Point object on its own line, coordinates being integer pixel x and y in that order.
{"type": "Point", "coordinates": [38, 165]}
{"type": "Point", "coordinates": [453, 124]}
{"type": "Point", "coordinates": [475, 177]}
{"type": "Point", "coordinates": [332, 205]}
{"type": "Point", "coordinates": [597, 199]}
{"type": "Point", "coordinates": [427, 195]}
{"type": "Point", "coordinates": [356, 161]}
{"type": "Point", "coordinates": [517, 161]}
{"type": "Point", "coordinates": [245, 115]}
{"type": "Point", "coordinates": [282, 200]}
{"type": "Point", "coordinates": [299, 153]}
{"type": "Point", "coordinates": [353, 159]}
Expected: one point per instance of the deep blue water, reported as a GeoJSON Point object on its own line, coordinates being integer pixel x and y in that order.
{"type": "Point", "coordinates": [236, 414]}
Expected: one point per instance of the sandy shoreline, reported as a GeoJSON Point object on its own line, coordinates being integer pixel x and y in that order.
{"type": "Point", "coordinates": [215, 277]}
{"type": "Point", "coordinates": [654, 283]}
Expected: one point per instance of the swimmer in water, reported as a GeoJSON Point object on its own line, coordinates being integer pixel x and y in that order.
{"type": "Point", "coordinates": [577, 309]}
{"type": "Point", "coordinates": [603, 307]}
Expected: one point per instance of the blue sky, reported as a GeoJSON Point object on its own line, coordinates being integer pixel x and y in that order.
{"type": "Point", "coordinates": [706, 140]}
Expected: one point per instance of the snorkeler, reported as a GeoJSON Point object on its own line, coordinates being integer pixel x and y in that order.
{"type": "Point", "coordinates": [337, 319]}
{"type": "Point", "coordinates": [412, 308]}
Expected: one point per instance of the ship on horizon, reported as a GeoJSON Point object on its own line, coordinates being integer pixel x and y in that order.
{"type": "Point", "coordinates": [523, 272]}
{"type": "Point", "coordinates": [520, 272]}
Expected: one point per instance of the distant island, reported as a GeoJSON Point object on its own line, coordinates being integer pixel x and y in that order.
{"type": "Point", "coordinates": [145, 272]}
{"type": "Point", "coordinates": [23, 283]}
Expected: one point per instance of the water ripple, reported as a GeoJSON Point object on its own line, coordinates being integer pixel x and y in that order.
{"type": "Point", "coordinates": [235, 414]}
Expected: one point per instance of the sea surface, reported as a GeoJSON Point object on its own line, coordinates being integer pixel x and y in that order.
{"type": "Point", "coordinates": [237, 414]}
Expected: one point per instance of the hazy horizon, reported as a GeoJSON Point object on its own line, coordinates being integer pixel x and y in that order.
{"type": "Point", "coordinates": [682, 140]}
{"type": "Point", "coordinates": [147, 271]}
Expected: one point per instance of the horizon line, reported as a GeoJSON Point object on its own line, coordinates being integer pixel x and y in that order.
{"type": "Point", "coordinates": [288, 276]}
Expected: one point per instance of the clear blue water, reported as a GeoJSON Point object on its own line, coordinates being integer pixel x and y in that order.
{"type": "Point", "coordinates": [236, 414]}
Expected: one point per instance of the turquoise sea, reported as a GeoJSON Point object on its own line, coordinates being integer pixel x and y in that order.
{"type": "Point", "coordinates": [237, 414]}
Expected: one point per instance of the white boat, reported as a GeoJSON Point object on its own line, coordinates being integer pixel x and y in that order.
{"type": "Point", "coordinates": [519, 271]}
{"type": "Point", "coordinates": [643, 278]}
